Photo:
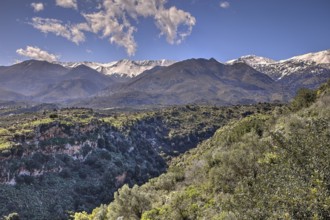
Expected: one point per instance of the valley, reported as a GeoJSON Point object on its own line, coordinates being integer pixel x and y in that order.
{"type": "Point", "coordinates": [80, 157]}
{"type": "Point", "coordinates": [85, 137]}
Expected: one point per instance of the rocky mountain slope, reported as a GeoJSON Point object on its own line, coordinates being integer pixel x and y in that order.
{"type": "Point", "coordinates": [46, 82]}
{"type": "Point", "coordinates": [9, 95]}
{"type": "Point", "coordinates": [321, 57]}
{"type": "Point", "coordinates": [311, 63]}
{"type": "Point", "coordinates": [252, 60]}
{"type": "Point", "coordinates": [30, 77]}
{"type": "Point", "coordinates": [79, 82]}
{"type": "Point", "coordinates": [309, 70]}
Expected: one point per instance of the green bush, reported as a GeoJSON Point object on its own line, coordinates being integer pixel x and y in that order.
{"type": "Point", "coordinates": [53, 116]}
{"type": "Point", "coordinates": [304, 98]}
{"type": "Point", "coordinates": [129, 203]}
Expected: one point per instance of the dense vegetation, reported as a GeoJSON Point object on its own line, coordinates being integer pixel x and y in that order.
{"type": "Point", "coordinates": [61, 160]}
{"type": "Point", "coordinates": [261, 167]}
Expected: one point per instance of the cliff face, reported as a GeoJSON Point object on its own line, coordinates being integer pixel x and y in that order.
{"type": "Point", "coordinates": [51, 148]}
{"type": "Point", "coordinates": [76, 167]}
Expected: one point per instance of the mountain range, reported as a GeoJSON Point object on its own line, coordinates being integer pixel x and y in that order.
{"type": "Point", "coordinates": [246, 80]}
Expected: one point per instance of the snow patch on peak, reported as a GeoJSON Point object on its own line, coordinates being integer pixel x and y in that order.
{"type": "Point", "coordinates": [123, 68]}
{"type": "Point", "coordinates": [252, 60]}
{"type": "Point", "coordinates": [322, 57]}
{"type": "Point", "coordinates": [312, 63]}
{"type": "Point", "coordinates": [129, 68]}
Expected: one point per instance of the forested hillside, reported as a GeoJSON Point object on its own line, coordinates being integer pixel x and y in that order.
{"type": "Point", "coordinates": [261, 167]}
{"type": "Point", "coordinates": [61, 160]}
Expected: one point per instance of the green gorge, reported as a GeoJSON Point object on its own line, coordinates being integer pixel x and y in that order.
{"type": "Point", "coordinates": [264, 166]}
{"type": "Point", "coordinates": [57, 161]}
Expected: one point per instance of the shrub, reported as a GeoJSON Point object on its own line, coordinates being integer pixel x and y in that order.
{"type": "Point", "coordinates": [27, 179]}
{"type": "Point", "coordinates": [53, 116]}
{"type": "Point", "coordinates": [65, 173]}
{"type": "Point", "coordinates": [304, 98]}
{"type": "Point", "coordinates": [129, 203]}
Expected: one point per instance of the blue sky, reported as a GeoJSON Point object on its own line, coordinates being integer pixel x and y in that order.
{"type": "Point", "coordinates": [108, 30]}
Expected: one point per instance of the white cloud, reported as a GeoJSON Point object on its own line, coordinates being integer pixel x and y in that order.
{"type": "Point", "coordinates": [168, 21]}
{"type": "Point", "coordinates": [110, 27]}
{"type": "Point", "coordinates": [37, 54]}
{"type": "Point", "coordinates": [37, 6]}
{"type": "Point", "coordinates": [89, 51]}
{"type": "Point", "coordinates": [224, 4]}
{"type": "Point", "coordinates": [67, 3]}
{"type": "Point", "coordinates": [72, 32]}
{"type": "Point", "coordinates": [113, 22]}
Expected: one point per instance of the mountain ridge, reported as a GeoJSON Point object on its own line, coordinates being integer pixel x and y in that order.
{"type": "Point", "coordinates": [248, 79]}
{"type": "Point", "coordinates": [191, 81]}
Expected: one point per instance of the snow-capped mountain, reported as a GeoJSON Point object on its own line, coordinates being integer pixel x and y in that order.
{"type": "Point", "coordinates": [311, 63]}
{"type": "Point", "coordinates": [92, 65]}
{"type": "Point", "coordinates": [252, 60]}
{"type": "Point", "coordinates": [322, 57]}
{"type": "Point", "coordinates": [122, 68]}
